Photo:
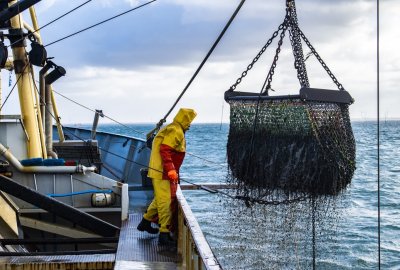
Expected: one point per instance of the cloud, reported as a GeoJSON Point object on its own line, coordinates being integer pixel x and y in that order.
{"type": "Point", "coordinates": [133, 3]}
{"type": "Point", "coordinates": [135, 66]}
{"type": "Point", "coordinates": [178, 32]}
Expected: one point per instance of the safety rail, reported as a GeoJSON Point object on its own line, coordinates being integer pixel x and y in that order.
{"type": "Point", "coordinates": [193, 248]}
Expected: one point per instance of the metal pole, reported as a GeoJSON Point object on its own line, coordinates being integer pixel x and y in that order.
{"type": "Point", "coordinates": [25, 90]}
{"type": "Point", "coordinates": [0, 92]}
{"type": "Point", "coordinates": [39, 116]}
{"type": "Point", "coordinates": [49, 123]}
{"type": "Point", "coordinates": [35, 24]}
{"type": "Point", "coordinates": [42, 92]}
{"type": "Point", "coordinates": [96, 122]}
{"type": "Point", "coordinates": [378, 133]}
{"type": "Point", "coordinates": [57, 117]}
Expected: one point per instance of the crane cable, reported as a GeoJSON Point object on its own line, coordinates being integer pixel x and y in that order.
{"type": "Point", "coordinates": [210, 190]}
{"type": "Point", "coordinates": [134, 130]}
{"type": "Point", "coordinates": [12, 89]}
{"type": "Point", "coordinates": [152, 133]}
{"type": "Point", "coordinates": [248, 201]}
{"type": "Point", "coordinates": [378, 135]}
{"type": "Point", "coordinates": [47, 24]}
{"type": "Point", "coordinates": [99, 23]}
{"type": "Point", "coordinates": [92, 110]}
{"type": "Point", "coordinates": [199, 186]}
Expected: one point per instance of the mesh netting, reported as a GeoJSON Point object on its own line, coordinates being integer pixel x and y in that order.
{"type": "Point", "coordinates": [295, 148]}
{"type": "Point", "coordinates": [285, 236]}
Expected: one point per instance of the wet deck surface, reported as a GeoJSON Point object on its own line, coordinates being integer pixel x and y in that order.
{"type": "Point", "coordinates": [139, 250]}
{"type": "Point", "coordinates": [136, 250]}
{"type": "Point", "coordinates": [124, 265]}
{"type": "Point", "coordinates": [95, 261]}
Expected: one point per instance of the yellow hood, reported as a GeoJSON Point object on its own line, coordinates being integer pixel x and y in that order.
{"type": "Point", "coordinates": [184, 117]}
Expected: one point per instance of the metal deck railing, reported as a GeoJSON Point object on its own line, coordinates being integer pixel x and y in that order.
{"type": "Point", "coordinates": [193, 248]}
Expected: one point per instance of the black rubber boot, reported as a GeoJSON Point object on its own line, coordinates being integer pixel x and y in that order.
{"type": "Point", "coordinates": [164, 239]}
{"type": "Point", "coordinates": [145, 225]}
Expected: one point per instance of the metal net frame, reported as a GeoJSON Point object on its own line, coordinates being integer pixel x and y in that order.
{"type": "Point", "coordinates": [293, 148]}
{"type": "Point", "coordinates": [290, 148]}
{"type": "Point", "coordinates": [290, 156]}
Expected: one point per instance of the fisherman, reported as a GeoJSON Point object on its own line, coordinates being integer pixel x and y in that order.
{"type": "Point", "coordinates": [167, 154]}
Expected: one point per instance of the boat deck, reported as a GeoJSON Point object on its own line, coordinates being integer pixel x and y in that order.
{"type": "Point", "coordinates": [92, 261]}
{"type": "Point", "coordinates": [139, 250]}
{"type": "Point", "coordinates": [135, 250]}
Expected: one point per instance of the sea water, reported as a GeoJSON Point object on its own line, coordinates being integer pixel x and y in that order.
{"type": "Point", "coordinates": [240, 243]}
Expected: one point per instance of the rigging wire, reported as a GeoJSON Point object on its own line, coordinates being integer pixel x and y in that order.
{"type": "Point", "coordinates": [99, 23]}
{"type": "Point", "coordinates": [137, 131]}
{"type": "Point", "coordinates": [51, 22]}
{"type": "Point", "coordinates": [15, 84]}
{"type": "Point", "coordinates": [108, 117]}
{"type": "Point", "coordinates": [378, 134]}
{"type": "Point", "coordinates": [52, 115]}
{"type": "Point", "coordinates": [210, 190]}
{"type": "Point", "coordinates": [222, 114]}
{"type": "Point", "coordinates": [116, 16]}
{"type": "Point", "coordinates": [31, 33]}
{"type": "Point", "coordinates": [163, 120]}
{"type": "Point", "coordinates": [247, 200]}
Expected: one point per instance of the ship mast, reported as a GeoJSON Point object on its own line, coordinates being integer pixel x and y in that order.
{"type": "Point", "coordinates": [28, 104]}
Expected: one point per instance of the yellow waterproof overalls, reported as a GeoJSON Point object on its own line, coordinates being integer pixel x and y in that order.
{"type": "Point", "coordinates": [168, 151]}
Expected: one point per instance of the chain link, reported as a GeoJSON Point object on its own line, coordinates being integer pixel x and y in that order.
{"type": "Point", "coordinates": [263, 49]}
{"type": "Point", "coordinates": [338, 84]}
{"type": "Point", "coordinates": [278, 50]}
{"type": "Point", "coordinates": [295, 40]}
{"type": "Point", "coordinates": [295, 36]}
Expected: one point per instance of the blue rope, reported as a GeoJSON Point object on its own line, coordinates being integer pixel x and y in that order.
{"type": "Point", "coordinates": [108, 191]}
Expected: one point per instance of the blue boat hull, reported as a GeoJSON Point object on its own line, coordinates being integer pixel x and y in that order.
{"type": "Point", "coordinates": [122, 157]}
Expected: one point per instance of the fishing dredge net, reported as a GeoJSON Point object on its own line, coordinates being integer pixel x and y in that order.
{"type": "Point", "coordinates": [294, 146]}
{"type": "Point", "coordinates": [285, 236]}
{"type": "Point", "coordinates": [289, 159]}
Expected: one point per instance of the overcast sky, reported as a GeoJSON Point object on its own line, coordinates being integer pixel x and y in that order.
{"type": "Point", "coordinates": [134, 67]}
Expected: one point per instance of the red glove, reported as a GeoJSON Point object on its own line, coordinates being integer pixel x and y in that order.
{"type": "Point", "coordinates": [173, 175]}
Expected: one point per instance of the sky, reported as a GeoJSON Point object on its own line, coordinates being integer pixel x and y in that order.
{"type": "Point", "coordinates": [134, 67]}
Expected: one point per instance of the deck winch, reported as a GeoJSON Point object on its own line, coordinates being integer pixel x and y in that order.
{"type": "Point", "coordinates": [301, 143]}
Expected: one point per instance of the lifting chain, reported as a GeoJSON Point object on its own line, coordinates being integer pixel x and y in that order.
{"type": "Point", "coordinates": [278, 50]}
{"type": "Point", "coordinates": [263, 49]}
{"type": "Point", "coordinates": [295, 35]}
{"type": "Point", "coordinates": [295, 40]}
{"type": "Point", "coordinates": [338, 84]}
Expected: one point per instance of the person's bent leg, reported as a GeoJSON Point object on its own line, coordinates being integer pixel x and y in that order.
{"type": "Point", "coordinates": [163, 199]}
{"type": "Point", "coordinates": [151, 211]}
{"type": "Point", "coordinates": [163, 202]}
{"type": "Point", "coordinates": [145, 224]}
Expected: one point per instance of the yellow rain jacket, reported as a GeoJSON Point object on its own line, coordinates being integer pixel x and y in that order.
{"type": "Point", "coordinates": [173, 135]}
{"type": "Point", "coordinates": [167, 154]}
